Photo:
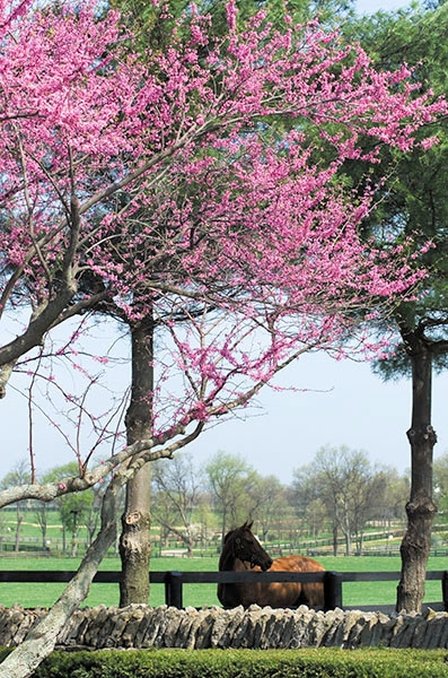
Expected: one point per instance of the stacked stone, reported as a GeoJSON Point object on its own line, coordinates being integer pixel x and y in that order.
{"type": "Point", "coordinates": [140, 626]}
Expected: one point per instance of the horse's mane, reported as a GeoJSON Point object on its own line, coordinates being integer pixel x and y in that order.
{"type": "Point", "coordinates": [226, 551]}
{"type": "Point", "coordinates": [228, 536]}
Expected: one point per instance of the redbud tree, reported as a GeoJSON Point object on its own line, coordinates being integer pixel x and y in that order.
{"type": "Point", "coordinates": [196, 191]}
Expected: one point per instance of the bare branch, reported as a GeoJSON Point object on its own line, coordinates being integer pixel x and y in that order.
{"type": "Point", "coordinates": [134, 456]}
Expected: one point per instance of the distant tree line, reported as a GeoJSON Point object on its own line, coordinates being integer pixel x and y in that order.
{"type": "Point", "coordinates": [339, 493]}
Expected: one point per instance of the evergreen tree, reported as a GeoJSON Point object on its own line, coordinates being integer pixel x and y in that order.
{"type": "Point", "coordinates": [413, 210]}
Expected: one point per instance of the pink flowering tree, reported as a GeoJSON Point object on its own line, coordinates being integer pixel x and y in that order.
{"type": "Point", "coordinates": [165, 194]}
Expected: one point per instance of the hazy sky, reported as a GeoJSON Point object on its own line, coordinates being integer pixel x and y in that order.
{"type": "Point", "coordinates": [371, 6]}
{"type": "Point", "coordinates": [335, 403]}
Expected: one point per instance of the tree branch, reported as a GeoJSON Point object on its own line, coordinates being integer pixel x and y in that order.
{"type": "Point", "coordinates": [40, 642]}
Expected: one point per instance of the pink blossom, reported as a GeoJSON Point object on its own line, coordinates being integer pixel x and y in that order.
{"type": "Point", "coordinates": [241, 252]}
{"type": "Point", "coordinates": [429, 142]}
{"type": "Point", "coordinates": [231, 14]}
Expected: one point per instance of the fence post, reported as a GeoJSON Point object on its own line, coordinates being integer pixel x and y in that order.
{"type": "Point", "coordinates": [173, 589]}
{"type": "Point", "coordinates": [332, 590]}
{"type": "Point", "coordinates": [445, 590]}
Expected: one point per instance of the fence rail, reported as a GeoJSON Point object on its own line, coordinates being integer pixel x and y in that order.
{"type": "Point", "coordinates": [174, 582]}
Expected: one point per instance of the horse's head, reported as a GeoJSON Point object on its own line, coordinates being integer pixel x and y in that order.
{"type": "Point", "coordinates": [245, 546]}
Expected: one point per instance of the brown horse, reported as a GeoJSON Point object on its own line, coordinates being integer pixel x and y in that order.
{"type": "Point", "coordinates": [242, 551]}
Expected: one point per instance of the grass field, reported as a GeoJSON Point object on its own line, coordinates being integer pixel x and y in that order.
{"type": "Point", "coordinates": [197, 595]}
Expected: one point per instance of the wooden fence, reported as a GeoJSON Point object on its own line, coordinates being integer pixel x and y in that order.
{"type": "Point", "coordinates": [174, 581]}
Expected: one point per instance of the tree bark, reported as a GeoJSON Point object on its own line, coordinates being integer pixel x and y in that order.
{"type": "Point", "coordinates": [420, 509]}
{"type": "Point", "coordinates": [135, 545]}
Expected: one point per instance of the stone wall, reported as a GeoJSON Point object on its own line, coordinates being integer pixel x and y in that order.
{"type": "Point", "coordinates": [139, 626]}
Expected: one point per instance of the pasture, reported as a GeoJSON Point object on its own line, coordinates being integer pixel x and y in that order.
{"type": "Point", "coordinates": [198, 595]}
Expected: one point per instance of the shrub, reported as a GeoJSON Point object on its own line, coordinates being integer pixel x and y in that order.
{"type": "Point", "coordinates": [306, 663]}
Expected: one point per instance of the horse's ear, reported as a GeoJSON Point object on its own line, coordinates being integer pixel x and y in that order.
{"type": "Point", "coordinates": [249, 525]}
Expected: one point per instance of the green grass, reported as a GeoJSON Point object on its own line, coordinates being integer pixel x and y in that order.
{"type": "Point", "coordinates": [197, 595]}
{"type": "Point", "coordinates": [376, 593]}
{"type": "Point", "coordinates": [32, 595]}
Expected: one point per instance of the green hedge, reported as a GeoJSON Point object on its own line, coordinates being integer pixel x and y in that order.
{"type": "Point", "coordinates": [319, 663]}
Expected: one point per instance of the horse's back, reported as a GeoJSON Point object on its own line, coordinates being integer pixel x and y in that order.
{"type": "Point", "coordinates": [311, 594]}
{"type": "Point", "coordinates": [296, 564]}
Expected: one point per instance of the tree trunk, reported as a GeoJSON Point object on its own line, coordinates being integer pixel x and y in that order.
{"type": "Point", "coordinates": [420, 509]}
{"type": "Point", "coordinates": [19, 520]}
{"type": "Point", "coordinates": [43, 527]}
{"type": "Point", "coordinates": [348, 541]}
{"type": "Point", "coordinates": [74, 545]}
{"type": "Point", "coordinates": [335, 539]}
{"type": "Point", "coordinates": [360, 542]}
{"type": "Point", "coordinates": [190, 542]}
{"type": "Point", "coordinates": [135, 546]}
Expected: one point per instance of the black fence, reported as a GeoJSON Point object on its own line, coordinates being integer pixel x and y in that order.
{"type": "Point", "coordinates": [174, 582]}
{"type": "Point", "coordinates": [333, 584]}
